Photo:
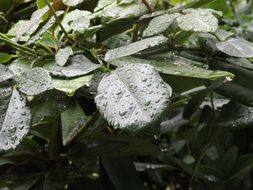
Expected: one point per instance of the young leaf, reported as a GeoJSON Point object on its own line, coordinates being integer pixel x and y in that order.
{"type": "Point", "coordinates": [63, 55]}
{"type": "Point", "coordinates": [70, 86]}
{"type": "Point", "coordinates": [5, 57]}
{"type": "Point", "coordinates": [15, 118]}
{"type": "Point", "coordinates": [197, 20]}
{"type": "Point", "coordinates": [132, 96]}
{"type": "Point", "coordinates": [236, 47]}
{"type": "Point", "coordinates": [134, 47]}
{"type": "Point", "coordinates": [35, 81]}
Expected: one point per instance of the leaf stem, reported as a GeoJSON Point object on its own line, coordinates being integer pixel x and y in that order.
{"type": "Point", "coordinates": [150, 9]}
{"type": "Point", "coordinates": [18, 47]}
{"type": "Point", "coordinates": [58, 21]}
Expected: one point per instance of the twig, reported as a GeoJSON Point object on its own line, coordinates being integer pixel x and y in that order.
{"type": "Point", "coordinates": [150, 9]}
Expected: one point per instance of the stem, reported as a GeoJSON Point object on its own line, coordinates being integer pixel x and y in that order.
{"type": "Point", "coordinates": [18, 47]}
{"type": "Point", "coordinates": [150, 9]}
{"type": "Point", "coordinates": [58, 21]}
{"type": "Point", "coordinates": [53, 149]}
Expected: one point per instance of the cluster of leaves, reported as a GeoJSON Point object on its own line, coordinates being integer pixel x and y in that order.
{"type": "Point", "coordinates": [126, 94]}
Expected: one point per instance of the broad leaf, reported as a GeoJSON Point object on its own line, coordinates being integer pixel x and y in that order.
{"type": "Point", "coordinates": [20, 66]}
{"type": "Point", "coordinates": [72, 120]}
{"type": "Point", "coordinates": [62, 56]}
{"type": "Point", "coordinates": [175, 65]}
{"type": "Point", "coordinates": [134, 47]}
{"type": "Point", "coordinates": [197, 20]}
{"type": "Point", "coordinates": [78, 65]}
{"type": "Point", "coordinates": [132, 97]}
{"type": "Point", "coordinates": [70, 86]}
{"type": "Point", "coordinates": [5, 73]}
{"type": "Point", "coordinates": [236, 47]}
{"type": "Point", "coordinates": [15, 118]}
{"type": "Point", "coordinates": [102, 4]}
{"type": "Point", "coordinates": [35, 81]}
{"type": "Point", "coordinates": [159, 24]}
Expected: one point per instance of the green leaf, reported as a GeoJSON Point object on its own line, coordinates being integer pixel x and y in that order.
{"type": "Point", "coordinates": [15, 118]}
{"type": "Point", "coordinates": [236, 47]}
{"type": "Point", "coordinates": [62, 56]}
{"type": "Point", "coordinates": [114, 11]}
{"type": "Point", "coordinates": [42, 3]}
{"type": "Point", "coordinates": [5, 57]}
{"type": "Point", "coordinates": [197, 20]}
{"type": "Point", "coordinates": [132, 97]}
{"type": "Point", "coordinates": [44, 29]}
{"type": "Point", "coordinates": [175, 65]}
{"type": "Point", "coordinates": [76, 20]}
{"type": "Point", "coordinates": [20, 66]}
{"type": "Point", "coordinates": [33, 22]}
{"type": "Point", "coordinates": [72, 3]}
{"type": "Point", "coordinates": [117, 41]}
{"type": "Point", "coordinates": [34, 81]}
{"type": "Point", "coordinates": [102, 4]}
{"type": "Point", "coordinates": [240, 116]}
{"type": "Point", "coordinates": [70, 86]}
{"type": "Point", "coordinates": [159, 24]}
{"type": "Point", "coordinates": [134, 47]}
{"type": "Point", "coordinates": [126, 180]}
{"type": "Point", "coordinates": [5, 73]}
{"type": "Point", "coordinates": [78, 65]}
{"type": "Point", "coordinates": [72, 120]}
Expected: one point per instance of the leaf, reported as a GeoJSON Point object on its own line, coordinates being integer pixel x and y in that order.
{"type": "Point", "coordinates": [102, 4]}
{"type": "Point", "coordinates": [15, 118]}
{"type": "Point", "coordinates": [72, 120]}
{"type": "Point", "coordinates": [242, 62]}
{"type": "Point", "coordinates": [76, 20]}
{"type": "Point", "coordinates": [140, 166]}
{"type": "Point", "coordinates": [134, 47]}
{"type": "Point", "coordinates": [175, 65]}
{"type": "Point", "coordinates": [70, 86]}
{"type": "Point", "coordinates": [63, 55]}
{"type": "Point", "coordinates": [5, 57]}
{"type": "Point", "coordinates": [72, 3]}
{"type": "Point", "coordinates": [34, 21]}
{"type": "Point", "coordinates": [236, 47]}
{"type": "Point", "coordinates": [159, 24]}
{"type": "Point", "coordinates": [35, 81]}
{"type": "Point", "coordinates": [126, 180]}
{"type": "Point", "coordinates": [132, 97]}
{"type": "Point", "coordinates": [20, 66]}
{"type": "Point", "coordinates": [5, 73]}
{"type": "Point", "coordinates": [78, 65]}
{"type": "Point", "coordinates": [117, 41]}
{"type": "Point", "coordinates": [47, 107]}
{"type": "Point", "coordinates": [240, 116]}
{"type": "Point", "coordinates": [44, 29]}
{"type": "Point", "coordinates": [114, 11]}
{"type": "Point", "coordinates": [197, 20]}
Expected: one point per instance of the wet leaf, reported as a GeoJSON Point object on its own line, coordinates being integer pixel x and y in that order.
{"type": "Point", "coordinates": [159, 24]}
{"type": "Point", "coordinates": [63, 55]}
{"type": "Point", "coordinates": [5, 73]}
{"type": "Point", "coordinates": [134, 47]}
{"type": "Point", "coordinates": [175, 65]}
{"type": "Point", "coordinates": [20, 66]}
{"type": "Point", "coordinates": [15, 118]}
{"type": "Point", "coordinates": [197, 20]}
{"type": "Point", "coordinates": [33, 22]}
{"type": "Point", "coordinates": [76, 20]}
{"type": "Point", "coordinates": [72, 3]}
{"type": "Point", "coordinates": [78, 65]}
{"type": "Point", "coordinates": [35, 81]}
{"type": "Point", "coordinates": [132, 97]}
{"type": "Point", "coordinates": [236, 47]}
